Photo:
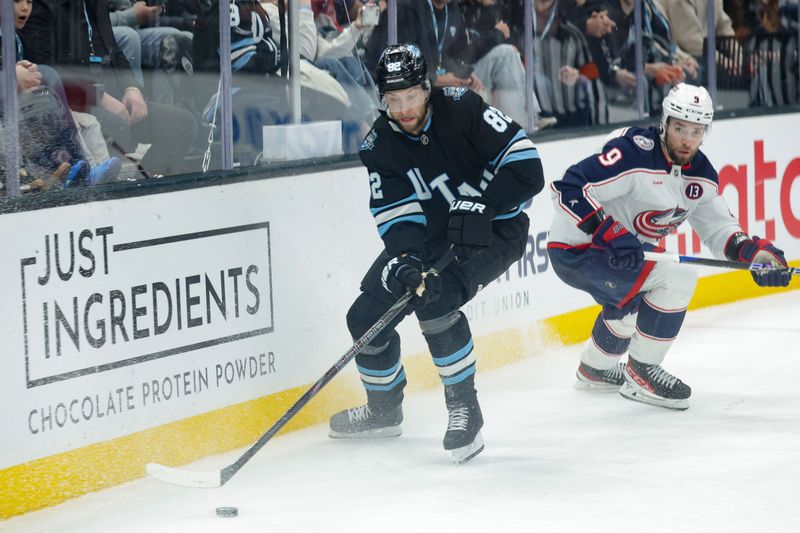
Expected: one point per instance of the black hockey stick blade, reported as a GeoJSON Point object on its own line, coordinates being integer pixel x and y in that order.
{"type": "Point", "coordinates": [216, 478]}
{"type": "Point", "coordinates": [719, 263]}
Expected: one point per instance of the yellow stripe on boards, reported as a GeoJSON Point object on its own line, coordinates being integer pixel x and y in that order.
{"type": "Point", "coordinates": [52, 480]}
{"type": "Point", "coordinates": [733, 286]}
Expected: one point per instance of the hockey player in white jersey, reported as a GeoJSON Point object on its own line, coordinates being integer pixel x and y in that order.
{"type": "Point", "coordinates": [612, 206]}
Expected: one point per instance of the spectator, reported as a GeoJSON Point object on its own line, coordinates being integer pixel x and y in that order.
{"type": "Point", "coordinates": [566, 80]}
{"type": "Point", "coordinates": [338, 55]}
{"type": "Point", "coordinates": [668, 46]}
{"type": "Point", "coordinates": [49, 140]}
{"type": "Point", "coordinates": [614, 53]}
{"type": "Point", "coordinates": [455, 58]}
{"type": "Point", "coordinates": [689, 23]}
{"type": "Point", "coordinates": [591, 17]}
{"type": "Point", "coordinates": [143, 37]}
{"type": "Point", "coordinates": [325, 15]}
{"type": "Point", "coordinates": [76, 38]}
{"type": "Point", "coordinates": [261, 94]}
{"type": "Point", "coordinates": [330, 67]}
{"type": "Point", "coordinates": [743, 17]}
{"type": "Point", "coordinates": [773, 61]}
{"type": "Point", "coordinates": [488, 22]}
{"type": "Point", "coordinates": [770, 20]}
{"type": "Point", "coordinates": [790, 14]}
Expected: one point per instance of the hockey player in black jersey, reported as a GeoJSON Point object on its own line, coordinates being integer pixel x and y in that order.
{"type": "Point", "coordinates": [445, 169]}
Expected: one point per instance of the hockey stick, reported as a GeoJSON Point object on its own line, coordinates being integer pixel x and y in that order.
{"type": "Point", "coordinates": [738, 265]}
{"type": "Point", "coordinates": [217, 478]}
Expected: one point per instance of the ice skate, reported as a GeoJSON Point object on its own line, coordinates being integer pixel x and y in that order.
{"type": "Point", "coordinates": [653, 385]}
{"type": "Point", "coordinates": [463, 437]}
{"type": "Point", "coordinates": [608, 380]}
{"type": "Point", "coordinates": [366, 422]}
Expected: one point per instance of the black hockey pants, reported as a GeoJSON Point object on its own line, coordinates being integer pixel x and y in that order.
{"type": "Point", "coordinates": [445, 328]}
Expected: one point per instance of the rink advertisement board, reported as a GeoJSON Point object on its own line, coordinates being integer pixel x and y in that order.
{"type": "Point", "coordinates": [82, 316]}
{"type": "Point", "coordinates": [124, 316]}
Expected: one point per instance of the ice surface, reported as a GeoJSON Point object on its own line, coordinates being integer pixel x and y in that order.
{"type": "Point", "coordinates": [556, 459]}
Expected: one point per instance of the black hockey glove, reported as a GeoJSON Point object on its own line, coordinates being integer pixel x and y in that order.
{"type": "Point", "coordinates": [623, 248]}
{"type": "Point", "coordinates": [740, 247]}
{"type": "Point", "coordinates": [470, 226]}
{"type": "Point", "coordinates": [404, 273]}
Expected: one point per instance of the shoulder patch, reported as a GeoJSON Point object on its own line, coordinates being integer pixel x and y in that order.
{"type": "Point", "coordinates": [369, 141]}
{"type": "Point", "coordinates": [643, 142]}
{"type": "Point", "coordinates": [454, 92]}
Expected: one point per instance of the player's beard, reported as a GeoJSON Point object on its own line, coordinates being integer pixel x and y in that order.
{"type": "Point", "coordinates": [414, 128]}
{"type": "Point", "coordinates": [675, 157]}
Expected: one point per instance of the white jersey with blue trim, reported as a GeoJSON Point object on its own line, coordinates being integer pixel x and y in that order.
{"type": "Point", "coordinates": [633, 181]}
{"type": "Point", "coordinates": [465, 148]}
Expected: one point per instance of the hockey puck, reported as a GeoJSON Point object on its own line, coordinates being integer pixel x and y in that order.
{"type": "Point", "coordinates": [227, 512]}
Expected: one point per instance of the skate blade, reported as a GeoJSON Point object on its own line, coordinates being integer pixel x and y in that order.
{"type": "Point", "coordinates": [465, 453]}
{"type": "Point", "coordinates": [380, 433]}
{"type": "Point", "coordinates": [595, 386]}
{"type": "Point", "coordinates": [629, 392]}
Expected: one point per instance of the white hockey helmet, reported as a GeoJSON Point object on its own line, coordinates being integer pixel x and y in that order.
{"type": "Point", "coordinates": [687, 102]}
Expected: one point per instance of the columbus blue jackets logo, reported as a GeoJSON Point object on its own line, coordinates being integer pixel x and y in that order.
{"type": "Point", "coordinates": [369, 141]}
{"type": "Point", "coordinates": [659, 223]}
{"type": "Point", "coordinates": [643, 142]}
{"type": "Point", "coordinates": [454, 92]}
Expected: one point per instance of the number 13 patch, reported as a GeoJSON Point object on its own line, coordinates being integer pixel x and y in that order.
{"type": "Point", "coordinates": [693, 191]}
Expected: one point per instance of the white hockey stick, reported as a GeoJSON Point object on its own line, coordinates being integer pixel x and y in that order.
{"type": "Point", "coordinates": [737, 265]}
{"type": "Point", "coordinates": [216, 478]}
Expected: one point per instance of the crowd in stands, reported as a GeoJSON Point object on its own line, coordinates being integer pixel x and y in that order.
{"type": "Point", "coordinates": [113, 90]}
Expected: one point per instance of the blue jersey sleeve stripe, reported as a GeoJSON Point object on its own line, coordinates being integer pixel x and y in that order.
{"type": "Point", "coordinates": [518, 156]}
{"type": "Point", "coordinates": [416, 219]}
{"type": "Point", "coordinates": [402, 210]}
{"type": "Point", "coordinates": [377, 210]}
{"type": "Point", "coordinates": [520, 135]}
{"type": "Point", "coordinates": [512, 214]}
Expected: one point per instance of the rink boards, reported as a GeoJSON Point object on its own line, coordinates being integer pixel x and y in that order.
{"type": "Point", "coordinates": [168, 327]}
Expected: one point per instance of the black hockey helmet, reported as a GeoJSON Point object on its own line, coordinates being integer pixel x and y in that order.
{"type": "Point", "coordinates": [401, 66]}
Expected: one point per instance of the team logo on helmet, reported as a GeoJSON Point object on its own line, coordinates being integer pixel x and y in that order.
{"type": "Point", "coordinates": [656, 223]}
{"type": "Point", "coordinates": [401, 66]}
{"type": "Point", "coordinates": [643, 142]}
